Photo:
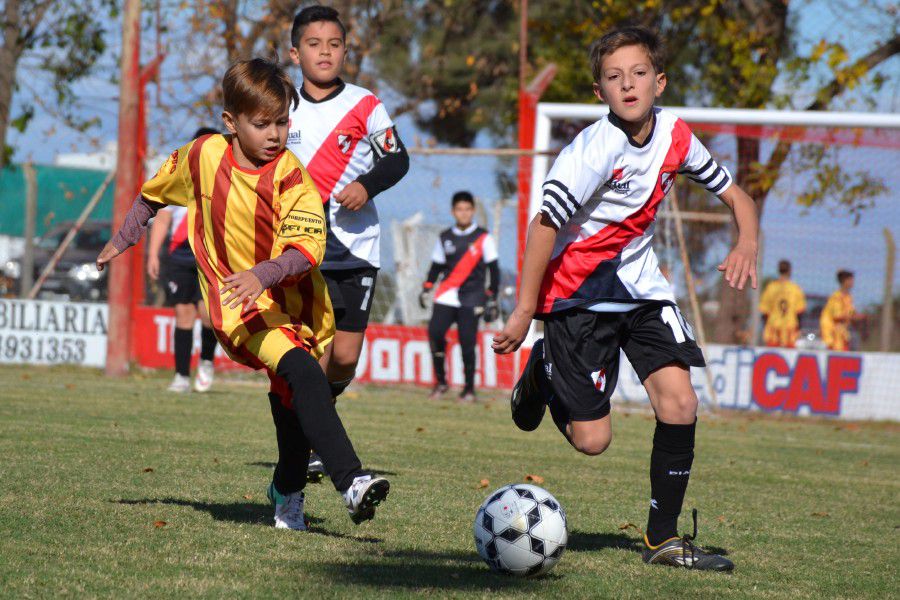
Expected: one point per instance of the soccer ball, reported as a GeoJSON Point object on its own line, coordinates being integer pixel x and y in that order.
{"type": "Point", "coordinates": [521, 530]}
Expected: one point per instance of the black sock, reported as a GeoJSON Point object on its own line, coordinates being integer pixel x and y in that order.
{"type": "Point", "coordinates": [184, 342]}
{"type": "Point", "coordinates": [670, 469]}
{"type": "Point", "coordinates": [293, 449]}
{"type": "Point", "coordinates": [318, 417]}
{"type": "Point", "coordinates": [207, 344]}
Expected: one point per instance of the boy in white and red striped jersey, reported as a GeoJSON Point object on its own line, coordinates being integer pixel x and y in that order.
{"type": "Point", "coordinates": [589, 272]}
{"type": "Point", "coordinates": [463, 256]}
{"type": "Point", "coordinates": [349, 144]}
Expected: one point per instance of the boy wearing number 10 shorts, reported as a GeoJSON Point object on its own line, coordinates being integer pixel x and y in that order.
{"type": "Point", "coordinates": [590, 273]}
{"type": "Point", "coordinates": [257, 229]}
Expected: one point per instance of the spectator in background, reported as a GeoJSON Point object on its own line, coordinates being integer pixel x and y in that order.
{"type": "Point", "coordinates": [183, 291]}
{"type": "Point", "coordinates": [838, 314]}
{"type": "Point", "coordinates": [464, 255]}
{"type": "Point", "coordinates": [781, 304]}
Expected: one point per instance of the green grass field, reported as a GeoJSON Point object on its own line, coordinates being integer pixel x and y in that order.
{"type": "Point", "coordinates": [113, 487]}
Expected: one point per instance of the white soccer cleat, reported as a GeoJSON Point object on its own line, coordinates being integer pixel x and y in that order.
{"type": "Point", "coordinates": [181, 384]}
{"type": "Point", "coordinates": [204, 378]}
{"type": "Point", "coordinates": [365, 493]}
{"type": "Point", "coordinates": [288, 509]}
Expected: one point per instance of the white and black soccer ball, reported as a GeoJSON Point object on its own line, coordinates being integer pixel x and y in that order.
{"type": "Point", "coordinates": [521, 530]}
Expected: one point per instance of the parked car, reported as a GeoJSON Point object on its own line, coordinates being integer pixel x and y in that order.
{"type": "Point", "coordinates": [75, 276]}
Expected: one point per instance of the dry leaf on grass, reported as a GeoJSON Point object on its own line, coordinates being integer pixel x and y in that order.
{"type": "Point", "coordinates": [625, 526]}
{"type": "Point", "coordinates": [534, 479]}
{"type": "Point", "coordinates": [248, 496]}
{"type": "Point", "coordinates": [819, 514]}
{"type": "Point", "coordinates": [159, 523]}
{"type": "Point", "coordinates": [70, 386]}
{"type": "Point", "coordinates": [420, 429]}
{"type": "Point", "coordinates": [148, 469]}
{"type": "Point", "coordinates": [483, 484]}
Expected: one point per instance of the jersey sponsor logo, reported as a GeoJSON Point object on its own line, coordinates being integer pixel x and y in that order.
{"type": "Point", "coordinates": [301, 222]}
{"type": "Point", "coordinates": [384, 141]}
{"type": "Point", "coordinates": [170, 165]}
{"type": "Point", "coordinates": [615, 182]}
{"type": "Point", "coordinates": [599, 378]}
{"type": "Point", "coordinates": [548, 370]}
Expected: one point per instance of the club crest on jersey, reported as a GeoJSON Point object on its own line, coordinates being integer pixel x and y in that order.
{"type": "Point", "coordinates": [599, 378]}
{"type": "Point", "coordinates": [665, 182]}
{"type": "Point", "coordinates": [615, 182]}
{"type": "Point", "coordinates": [344, 140]}
{"type": "Point", "coordinates": [384, 142]}
{"type": "Point", "coordinates": [449, 248]}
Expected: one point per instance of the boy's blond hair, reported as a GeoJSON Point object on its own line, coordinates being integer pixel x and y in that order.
{"type": "Point", "coordinates": [258, 86]}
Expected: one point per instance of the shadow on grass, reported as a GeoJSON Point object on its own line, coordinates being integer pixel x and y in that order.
{"type": "Point", "coordinates": [582, 541]}
{"type": "Point", "coordinates": [245, 512]}
{"type": "Point", "coordinates": [416, 569]}
{"type": "Point", "coordinates": [271, 465]}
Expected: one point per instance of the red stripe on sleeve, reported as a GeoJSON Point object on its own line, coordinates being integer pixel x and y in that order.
{"type": "Point", "coordinates": [293, 179]}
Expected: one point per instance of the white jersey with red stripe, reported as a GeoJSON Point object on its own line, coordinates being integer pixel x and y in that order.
{"type": "Point", "coordinates": [333, 138]}
{"type": "Point", "coordinates": [464, 254]}
{"type": "Point", "coordinates": [603, 193]}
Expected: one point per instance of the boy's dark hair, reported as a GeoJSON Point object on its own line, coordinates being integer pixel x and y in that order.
{"type": "Point", "coordinates": [258, 86]}
{"type": "Point", "coordinates": [204, 131]}
{"type": "Point", "coordinates": [314, 14]}
{"type": "Point", "coordinates": [627, 36]}
{"type": "Point", "coordinates": [843, 275]}
{"type": "Point", "coordinates": [462, 196]}
{"type": "Point", "coordinates": [784, 267]}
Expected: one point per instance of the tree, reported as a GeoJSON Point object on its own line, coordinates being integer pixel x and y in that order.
{"type": "Point", "coordinates": [62, 40]}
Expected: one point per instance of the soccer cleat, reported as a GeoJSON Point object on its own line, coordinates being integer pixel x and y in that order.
{"type": "Point", "coordinates": [315, 471]}
{"type": "Point", "coordinates": [181, 384]}
{"type": "Point", "coordinates": [681, 552]}
{"type": "Point", "coordinates": [438, 391]}
{"type": "Point", "coordinates": [527, 400]}
{"type": "Point", "coordinates": [467, 397]}
{"type": "Point", "coordinates": [204, 378]}
{"type": "Point", "coordinates": [288, 509]}
{"type": "Point", "coordinates": [365, 493]}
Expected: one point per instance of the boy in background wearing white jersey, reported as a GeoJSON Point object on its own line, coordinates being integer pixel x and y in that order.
{"type": "Point", "coordinates": [589, 272]}
{"type": "Point", "coordinates": [183, 292]}
{"type": "Point", "coordinates": [349, 144]}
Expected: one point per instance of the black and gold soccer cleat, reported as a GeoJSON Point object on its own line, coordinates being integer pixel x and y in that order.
{"type": "Point", "coordinates": [681, 552]}
{"type": "Point", "coordinates": [527, 400]}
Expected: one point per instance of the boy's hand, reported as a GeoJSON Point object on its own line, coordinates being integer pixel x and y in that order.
{"type": "Point", "coordinates": [353, 197]}
{"type": "Point", "coordinates": [153, 267]}
{"type": "Point", "coordinates": [245, 288]}
{"type": "Point", "coordinates": [108, 253]}
{"type": "Point", "coordinates": [513, 333]}
{"type": "Point", "coordinates": [740, 264]}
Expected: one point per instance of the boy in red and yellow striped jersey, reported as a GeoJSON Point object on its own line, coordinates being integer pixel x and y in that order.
{"type": "Point", "coordinates": [258, 233]}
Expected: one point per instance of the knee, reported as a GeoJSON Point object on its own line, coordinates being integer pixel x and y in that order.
{"type": "Point", "coordinates": [591, 443]}
{"type": "Point", "coordinates": [678, 408]}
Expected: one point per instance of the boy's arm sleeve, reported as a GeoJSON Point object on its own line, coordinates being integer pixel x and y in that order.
{"type": "Point", "coordinates": [438, 264]}
{"type": "Point", "coordinates": [135, 223]}
{"type": "Point", "coordinates": [701, 168]}
{"type": "Point", "coordinates": [574, 177]}
{"type": "Point", "coordinates": [301, 222]}
{"type": "Point", "coordinates": [172, 184]}
{"type": "Point", "coordinates": [391, 161]}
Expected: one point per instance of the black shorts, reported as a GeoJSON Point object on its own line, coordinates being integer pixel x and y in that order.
{"type": "Point", "coordinates": [182, 286]}
{"type": "Point", "coordinates": [352, 292]}
{"type": "Point", "coordinates": [581, 352]}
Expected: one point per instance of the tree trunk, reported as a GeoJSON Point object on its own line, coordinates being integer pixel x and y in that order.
{"type": "Point", "coordinates": [10, 52]}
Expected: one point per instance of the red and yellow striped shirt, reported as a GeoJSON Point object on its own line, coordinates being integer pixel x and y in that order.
{"type": "Point", "coordinates": [239, 217]}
